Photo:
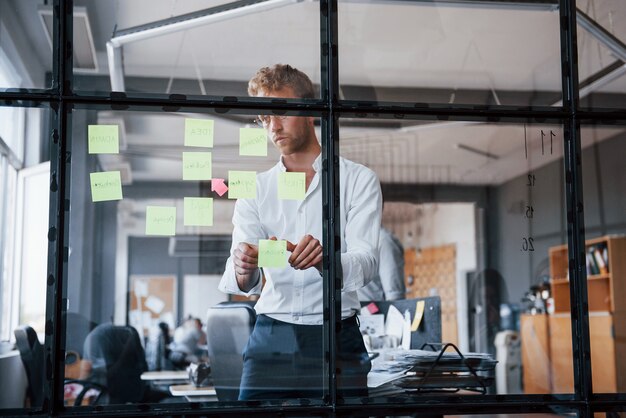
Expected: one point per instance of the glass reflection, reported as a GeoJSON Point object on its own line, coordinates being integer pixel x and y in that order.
{"type": "Point", "coordinates": [478, 210]}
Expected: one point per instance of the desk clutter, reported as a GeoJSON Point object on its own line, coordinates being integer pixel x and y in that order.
{"type": "Point", "coordinates": [440, 368]}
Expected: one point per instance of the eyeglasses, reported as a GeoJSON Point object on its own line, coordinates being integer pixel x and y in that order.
{"type": "Point", "coordinates": [264, 120]}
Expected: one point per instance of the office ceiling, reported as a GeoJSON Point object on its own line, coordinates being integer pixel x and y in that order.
{"type": "Point", "coordinates": [386, 48]}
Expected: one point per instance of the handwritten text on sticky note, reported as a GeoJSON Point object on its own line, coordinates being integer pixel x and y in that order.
{"type": "Point", "coordinates": [253, 142]}
{"type": "Point", "coordinates": [242, 184]}
{"type": "Point", "coordinates": [161, 220]}
{"type": "Point", "coordinates": [105, 186]}
{"type": "Point", "coordinates": [291, 186]}
{"type": "Point", "coordinates": [198, 133]}
{"type": "Point", "coordinates": [197, 166]}
{"type": "Point", "coordinates": [272, 253]}
{"type": "Point", "coordinates": [198, 211]}
{"type": "Point", "coordinates": [103, 139]}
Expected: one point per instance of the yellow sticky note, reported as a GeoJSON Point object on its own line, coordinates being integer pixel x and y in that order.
{"type": "Point", "coordinates": [103, 139]}
{"type": "Point", "coordinates": [198, 211]}
{"type": "Point", "coordinates": [242, 184]}
{"type": "Point", "coordinates": [272, 253]}
{"type": "Point", "coordinates": [197, 166]}
{"type": "Point", "coordinates": [253, 142]}
{"type": "Point", "coordinates": [105, 186]}
{"type": "Point", "coordinates": [291, 186]}
{"type": "Point", "coordinates": [199, 133]}
{"type": "Point", "coordinates": [161, 220]}
{"type": "Point", "coordinates": [419, 314]}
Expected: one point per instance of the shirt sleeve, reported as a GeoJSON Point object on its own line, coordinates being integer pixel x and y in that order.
{"type": "Point", "coordinates": [391, 267]}
{"type": "Point", "coordinates": [247, 228]}
{"type": "Point", "coordinates": [360, 260]}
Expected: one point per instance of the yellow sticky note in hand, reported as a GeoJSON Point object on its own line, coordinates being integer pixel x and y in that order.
{"type": "Point", "coordinates": [199, 133]}
{"type": "Point", "coordinates": [253, 142]}
{"type": "Point", "coordinates": [161, 220]}
{"type": "Point", "coordinates": [197, 166]}
{"type": "Point", "coordinates": [272, 253]}
{"type": "Point", "coordinates": [419, 314]}
{"type": "Point", "coordinates": [106, 186]}
{"type": "Point", "coordinates": [198, 211]}
{"type": "Point", "coordinates": [103, 139]}
{"type": "Point", "coordinates": [242, 184]}
{"type": "Point", "coordinates": [291, 186]}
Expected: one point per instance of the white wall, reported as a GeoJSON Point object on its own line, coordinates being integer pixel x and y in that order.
{"type": "Point", "coordinates": [431, 225]}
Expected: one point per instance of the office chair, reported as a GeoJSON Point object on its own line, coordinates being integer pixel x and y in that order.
{"type": "Point", "coordinates": [117, 362]}
{"type": "Point", "coordinates": [229, 325]}
{"type": "Point", "coordinates": [31, 353]}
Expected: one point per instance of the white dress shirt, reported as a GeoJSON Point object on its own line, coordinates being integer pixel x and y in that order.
{"type": "Point", "coordinates": [295, 296]}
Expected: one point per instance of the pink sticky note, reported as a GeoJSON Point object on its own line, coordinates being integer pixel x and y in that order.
{"type": "Point", "coordinates": [372, 308]}
{"type": "Point", "coordinates": [217, 185]}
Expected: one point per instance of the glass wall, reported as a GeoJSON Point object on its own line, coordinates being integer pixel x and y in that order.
{"type": "Point", "coordinates": [176, 194]}
{"type": "Point", "coordinates": [157, 199]}
{"type": "Point", "coordinates": [475, 209]}
{"type": "Point", "coordinates": [25, 44]}
{"type": "Point", "coordinates": [196, 48]}
{"type": "Point", "coordinates": [604, 183]}
{"type": "Point", "coordinates": [450, 53]}
{"type": "Point", "coordinates": [601, 53]}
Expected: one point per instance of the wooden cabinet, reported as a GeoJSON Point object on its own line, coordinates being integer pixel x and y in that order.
{"type": "Point", "coordinates": [536, 353]}
{"type": "Point", "coordinates": [606, 288]}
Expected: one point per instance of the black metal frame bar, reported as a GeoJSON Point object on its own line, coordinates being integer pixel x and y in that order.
{"type": "Point", "coordinates": [61, 98]}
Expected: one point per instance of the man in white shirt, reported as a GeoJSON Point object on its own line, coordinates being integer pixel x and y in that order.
{"type": "Point", "coordinates": [284, 356]}
{"type": "Point", "coordinates": [389, 282]}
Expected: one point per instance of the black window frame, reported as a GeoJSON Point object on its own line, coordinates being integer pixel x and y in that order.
{"type": "Point", "coordinates": [61, 99]}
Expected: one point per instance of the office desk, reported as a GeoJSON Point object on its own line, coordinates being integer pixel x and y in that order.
{"type": "Point", "coordinates": [193, 393]}
{"type": "Point", "coordinates": [165, 375]}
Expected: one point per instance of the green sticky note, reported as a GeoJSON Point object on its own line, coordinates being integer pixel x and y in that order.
{"type": "Point", "coordinates": [291, 186]}
{"type": "Point", "coordinates": [196, 166]}
{"type": "Point", "coordinates": [198, 211]}
{"type": "Point", "coordinates": [105, 186]}
{"type": "Point", "coordinates": [103, 139]}
{"type": "Point", "coordinates": [253, 142]}
{"type": "Point", "coordinates": [272, 253]}
{"type": "Point", "coordinates": [161, 220]}
{"type": "Point", "coordinates": [242, 184]}
{"type": "Point", "coordinates": [199, 133]}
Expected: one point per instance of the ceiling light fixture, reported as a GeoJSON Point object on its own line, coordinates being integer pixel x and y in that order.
{"type": "Point", "coordinates": [84, 50]}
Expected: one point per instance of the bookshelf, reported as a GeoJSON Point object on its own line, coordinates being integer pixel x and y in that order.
{"type": "Point", "coordinates": [605, 284]}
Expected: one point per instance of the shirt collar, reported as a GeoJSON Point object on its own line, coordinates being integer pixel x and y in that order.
{"type": "Point", "coordinates": [317, 164]}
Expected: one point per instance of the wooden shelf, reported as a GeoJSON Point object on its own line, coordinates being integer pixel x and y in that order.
{"type": "Point", "coordinates": [607, 319]}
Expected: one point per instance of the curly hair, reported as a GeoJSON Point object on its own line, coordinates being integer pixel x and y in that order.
{"type": "Point", "coordinates": [269, 79]}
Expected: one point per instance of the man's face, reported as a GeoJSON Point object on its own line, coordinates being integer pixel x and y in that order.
{"type": "Point", "coordinates": [291, 134]}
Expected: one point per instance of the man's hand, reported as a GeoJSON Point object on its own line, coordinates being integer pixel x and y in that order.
{"type": "Point", "coordinates": [306, 254]}
{"type": "Point", "coordinates": [246, 260]}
